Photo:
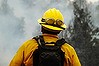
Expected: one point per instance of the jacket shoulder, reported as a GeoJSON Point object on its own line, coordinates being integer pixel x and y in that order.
{"type": "Point", "coordinates": [30, 42]}
{"type": "Point", "coordinates": [68, 49]}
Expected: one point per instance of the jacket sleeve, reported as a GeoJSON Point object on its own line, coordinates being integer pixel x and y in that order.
{"type": "Point", "coordinates": [18, 58]}
{"type": "Point", "coordinates": [70, 55]}
{"type": "Point", "coordinates": [75, 60]}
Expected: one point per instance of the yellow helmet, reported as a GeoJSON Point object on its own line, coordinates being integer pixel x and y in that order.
{"type": "Point", "coordinates": [52, 19]}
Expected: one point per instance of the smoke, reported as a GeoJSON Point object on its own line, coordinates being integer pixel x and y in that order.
{"type": "Point", "coordinates": [18, 22]}
{"type": "Point", "coordinates": [95, 11]}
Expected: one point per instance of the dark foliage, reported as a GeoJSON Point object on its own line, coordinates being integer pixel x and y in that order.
{"type": "Point", "coordinates": [83, 35]}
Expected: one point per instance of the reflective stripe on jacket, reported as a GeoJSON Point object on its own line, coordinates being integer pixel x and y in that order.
{"type": "Point", "coordinates": [23, 56]}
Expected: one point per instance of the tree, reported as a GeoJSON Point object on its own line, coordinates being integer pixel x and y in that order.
{"type": "Point", "coordinates": [82, 34]}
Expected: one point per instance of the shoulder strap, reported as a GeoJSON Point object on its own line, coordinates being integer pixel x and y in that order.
{"type": "Point", "coordinates": [60, 42]}
{"type": "Point", "coordinates": [40, 40]}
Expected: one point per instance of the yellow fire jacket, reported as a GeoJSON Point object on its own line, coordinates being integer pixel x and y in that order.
{"type": "Point", "coordinates": [23, 56]}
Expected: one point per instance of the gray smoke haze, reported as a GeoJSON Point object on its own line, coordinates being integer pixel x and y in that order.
{"type": "Point", "coordinates": [95, 11]}
{"type": "Point", "coordinates": [18, 22]}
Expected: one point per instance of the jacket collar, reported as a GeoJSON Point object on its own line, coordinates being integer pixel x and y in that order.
{"type": "Point", "coordinates": [50, 35]}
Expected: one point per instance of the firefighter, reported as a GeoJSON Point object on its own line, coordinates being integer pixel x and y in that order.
{"type": "Point", "coordinates": [52, 23]}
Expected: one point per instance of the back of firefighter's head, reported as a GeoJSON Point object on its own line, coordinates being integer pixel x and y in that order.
{"type": "Point", "coordinates": [52, 21]}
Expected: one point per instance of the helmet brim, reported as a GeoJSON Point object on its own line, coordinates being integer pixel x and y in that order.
{"type": "Point", "coordinates": [51, 26]}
